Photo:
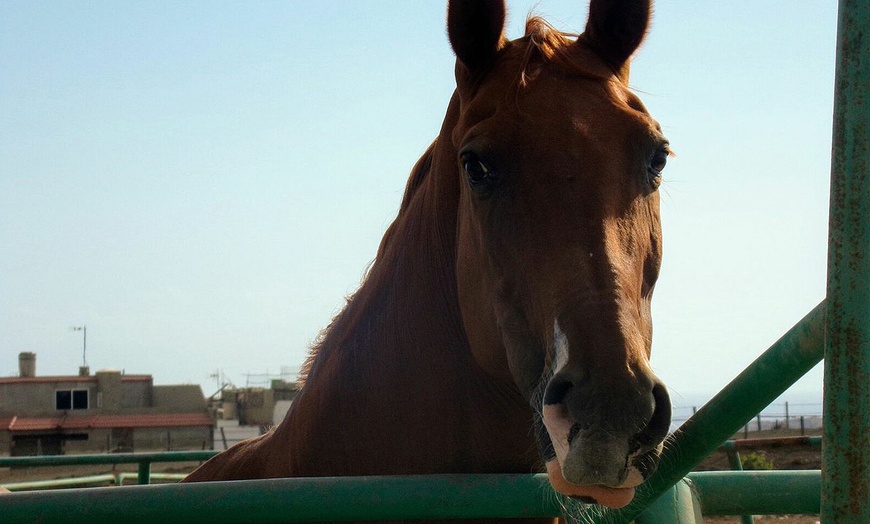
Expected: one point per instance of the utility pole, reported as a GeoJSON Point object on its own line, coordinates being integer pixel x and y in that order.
{"type": "Point", "coordinates": [84, 330]}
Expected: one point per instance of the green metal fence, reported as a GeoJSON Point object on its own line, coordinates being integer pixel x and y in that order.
{"type": "Point", "coordinates": [333, 499]}
{"type": "Point", "coordinates": [144, 460]}
{"type": "Point", "coordinates": [106, 479]}
{"type": "Point", "coordinates": [838, 330]}
{"type": "Point", "coordinates": [846, 453]}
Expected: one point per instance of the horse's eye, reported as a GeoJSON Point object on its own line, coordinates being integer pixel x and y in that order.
{"type": "Point", "coordinates": [657, 164]}
{"type": "Point", "coordinates": [481, 177]}
{"type": "Point", "coordinates": [476, 170]}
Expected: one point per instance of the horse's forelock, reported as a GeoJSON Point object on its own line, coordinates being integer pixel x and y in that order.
{"type": "Point", "coordinates": [546, 44]}
{"type": "Point", "coordinates": [546, 38]}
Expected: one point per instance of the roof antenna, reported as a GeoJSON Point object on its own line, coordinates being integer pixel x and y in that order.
{"type": "Point", "coordinates": [84, 330]}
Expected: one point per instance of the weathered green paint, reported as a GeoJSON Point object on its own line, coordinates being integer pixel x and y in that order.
{"type": "Point", "coordinates": [390, 498]}
{"type": "Point", "coordinates": [678, 505]}
{"type": "Point", "coordinates": [795, 353]}
{"type": "Point", "coordinates": [144, 475]}
{"type": "Point", "coordinates": [846, 453]}
{"type": "Point", "coordinates": [293, 500]}
{"type": "Point", "coordinates": [736, 465]}
{"type": "Point", "coordinates": [758, 492]}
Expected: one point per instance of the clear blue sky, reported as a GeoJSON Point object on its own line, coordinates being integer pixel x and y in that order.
{"type": "Point", "coordinates": [202, 183]}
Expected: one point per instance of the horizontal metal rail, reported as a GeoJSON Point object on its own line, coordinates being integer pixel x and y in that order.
{"type": "Point", "coordinates": [74, 482]}
{"type": "Point", "coordinates": [162, 477]}
{"type": "Point", "coordinates": [110, 458]}
{"type": "Point", "coordinates": [774, 442]}
{"type": "Point", "coordinates": [293, 500]}
{"type": "Point", "coordinates": [758, 492]}
{"type": "Point", "coordinates": [379, 498]}
{"type": "Point", "coordinates": [117, 479]}
{"type": "Point", "coordinates": [144, 460]}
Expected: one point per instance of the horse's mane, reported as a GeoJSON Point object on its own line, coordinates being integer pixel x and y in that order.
{"type": "Point", "coordinates": [543, 44]}
{"type": "Point", "coordinates": [415, 180]}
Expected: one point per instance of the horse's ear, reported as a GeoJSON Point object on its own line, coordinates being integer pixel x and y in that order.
{"type": "Point", "coordinates": [616, 29]}
{"type": "Point", "coordinates": [475, 31]}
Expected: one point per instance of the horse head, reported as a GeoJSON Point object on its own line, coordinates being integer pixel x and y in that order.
{"type": "Point", "coordinates": [559, 235]}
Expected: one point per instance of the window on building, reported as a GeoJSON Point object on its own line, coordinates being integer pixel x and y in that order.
{"type": "Point", "coordinates": [65, 399]}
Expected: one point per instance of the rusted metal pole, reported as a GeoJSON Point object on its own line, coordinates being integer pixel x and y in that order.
{"type": "Point", "coordinates": [846, 450]}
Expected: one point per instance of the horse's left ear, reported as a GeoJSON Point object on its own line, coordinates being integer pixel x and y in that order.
{"type": "Point", "coordinates": [616, 29]}
{"type": "Point", "coordinates": [475, 31]}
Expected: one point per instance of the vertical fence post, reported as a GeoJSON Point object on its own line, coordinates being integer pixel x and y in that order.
{"type": "Point", "coordinates": [734, 459]}
{"type": "Point", "coordinates": [144, 472]}
{"type": "Point", "coordinates": [737, 465]}
{"type": "Point", "coordinates": [786, 415]}
{"type": "Point", "coordinates": [846, 453]}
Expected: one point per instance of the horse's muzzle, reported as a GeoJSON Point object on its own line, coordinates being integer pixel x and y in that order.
{"type": "Point", "coordinates": [604, 436]}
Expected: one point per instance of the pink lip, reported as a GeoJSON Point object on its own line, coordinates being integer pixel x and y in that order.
{"type": "Point", "coordinates": [603, 495]}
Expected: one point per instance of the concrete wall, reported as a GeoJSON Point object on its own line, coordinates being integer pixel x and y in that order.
{"type": "Point", "coordinates": [108, 440]}
{"type": "Point", "coordinates": [136, 395]}
{"type": "Point", "coordinates": [37, 399]}
{"type": "Point", "coordinates": [108, 393]}
{"type": "Point", "coordinates": [168, 439]}
{"type": "Point", "coordinates": [178, 398]}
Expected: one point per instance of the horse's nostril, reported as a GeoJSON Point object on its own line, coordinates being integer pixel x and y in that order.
{"type": "Point", "coordinates": [557, 390]}
{"type": "Point", "coordinates": [660, 422]}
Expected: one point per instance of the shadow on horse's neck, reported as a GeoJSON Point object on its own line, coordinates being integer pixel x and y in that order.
{"type": "Point", "coordinates": [406, 311]}
{"type": "Point", "coordinates": [395, 364]}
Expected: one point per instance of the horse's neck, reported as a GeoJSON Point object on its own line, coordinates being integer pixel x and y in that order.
{"type": "Point", "coordinates": [406, 311]}
{"type": "Point", "coordinates": [395, 365]}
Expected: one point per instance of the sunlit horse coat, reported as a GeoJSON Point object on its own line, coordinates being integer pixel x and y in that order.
{"type": "Point", "coordinates": [505, 324]}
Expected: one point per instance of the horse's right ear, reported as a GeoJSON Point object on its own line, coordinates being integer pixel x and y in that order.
{"type": "Point", "coordinates": [616, 29]}
{"type": "Point", "coordinates": [475, 31]}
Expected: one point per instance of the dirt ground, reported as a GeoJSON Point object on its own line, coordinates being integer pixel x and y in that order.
{"type": "Point", "coordinates": [780, 457]}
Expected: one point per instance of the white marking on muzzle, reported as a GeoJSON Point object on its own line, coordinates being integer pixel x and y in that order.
{"type": "Point", "coordinates": [555, 417]}
{"type": "Point", "coordinates": [560, 345]}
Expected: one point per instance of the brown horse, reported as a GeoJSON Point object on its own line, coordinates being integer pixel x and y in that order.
{"type": "Point", "coordinates": [509, 303]}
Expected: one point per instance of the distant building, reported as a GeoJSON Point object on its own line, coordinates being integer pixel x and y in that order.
{"type": "Point", "coordinates": [106, 412]}
{"type": "Point", "coordinates": [258, 406]}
